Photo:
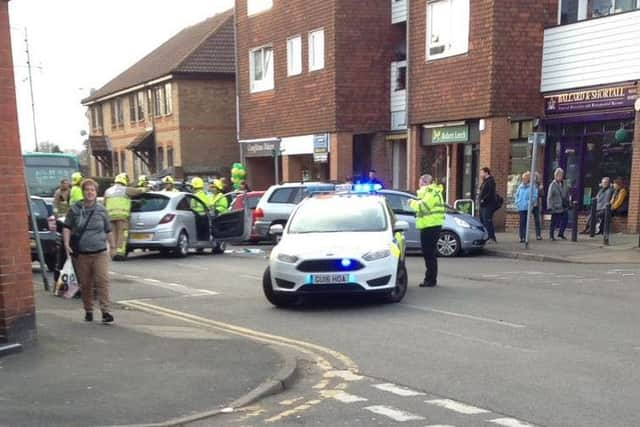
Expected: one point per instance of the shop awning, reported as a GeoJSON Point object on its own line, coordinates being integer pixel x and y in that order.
{"type": "Point", "coordinates": [100, 144]}
{"type": "Point", "coordinates": [142, 142]}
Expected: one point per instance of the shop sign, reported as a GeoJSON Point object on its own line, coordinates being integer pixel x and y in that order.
{"type": "Point", "coordinates": [261, 149]}
{"type": "Point", "coordinates": [450, 134]}
{"type": "Point", "coordinates": [591, 99]}
{"type": "Point", "coordinates": [321, 148]}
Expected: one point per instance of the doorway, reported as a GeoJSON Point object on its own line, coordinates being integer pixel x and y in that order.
{"type": "Point", "coordinates": [361, 156]}
{"type": "Point", "coordinates": [400, 164]}
{"type": "Point", "coordinates": [469, 158]}
{"type": "Point", "coordinates": [571, 162]}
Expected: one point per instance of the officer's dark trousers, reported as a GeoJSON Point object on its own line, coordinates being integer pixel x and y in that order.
{"type": "Point", "coordinates": [428, 240]}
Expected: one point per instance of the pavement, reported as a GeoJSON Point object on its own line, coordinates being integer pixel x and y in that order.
{"type": "Point", "coordinates": [143, 369]}
{"type": "Point", "coordinates": [622, 249]}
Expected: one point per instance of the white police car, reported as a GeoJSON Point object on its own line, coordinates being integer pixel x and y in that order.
{"type": "Point", "coordinates": [338, 243]}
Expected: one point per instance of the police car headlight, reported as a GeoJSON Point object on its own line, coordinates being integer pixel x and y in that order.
{"type": "Point", "coordinates": [291, 259]}
{"type": "Point", "coordinates": [462, 223]}
{"type": "Point", "coordinates": [375, 255]}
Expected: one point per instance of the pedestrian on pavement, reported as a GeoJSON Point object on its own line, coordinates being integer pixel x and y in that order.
{"type": "Point", "coordinates": [117, 199]}
{"type": "Point", "coordinates": [86, 233]}
{"type": "Point", "coordinates": [537, 209]}
{"type": "Point", "coordinates": [620, 198]}
{"type": "Point", "coordinates": [61, 199]}
{"type": "Point", "coordinates": [76, 190]}
{"type": "Point", "coordinates": [430, 213]}
{"type": "Point", "coordinates": [169, 184]}
{"type": "Point", "coordinates": [558, 204]}
{"type": "Point", "coordinates": [488, 201]}
{"type": "Point", "coordinates": [602, 199]}
{"type": "Point", "coordinates": [525, 193]}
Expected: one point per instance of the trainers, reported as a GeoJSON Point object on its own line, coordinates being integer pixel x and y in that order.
{"type": "Point", "coordinates": [88, 316]}
{"type": "Point", "coordinates": [107, 317]}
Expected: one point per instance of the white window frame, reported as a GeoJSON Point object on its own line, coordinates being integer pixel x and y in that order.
{"type": "Point", "coordinates": [316, 62]}
{"type": "Point", "coordinates": [255, 7]}
{"type": "Point", "coordinates": [294, 59]}
{"type": "Point", "coordinates": [267, 82]}
{"type": "Point", "coordinates": [459, 26]}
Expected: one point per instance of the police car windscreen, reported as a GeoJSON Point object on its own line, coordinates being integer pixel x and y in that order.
{"type": "Point", "coordinates": [339, 215]}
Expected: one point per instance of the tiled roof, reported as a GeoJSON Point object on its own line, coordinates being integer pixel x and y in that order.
{"type": "Point", "coordinates": [207, 47]}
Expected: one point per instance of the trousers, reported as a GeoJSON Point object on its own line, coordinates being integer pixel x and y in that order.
{"type": "Point", "coordinates": [93, 271]}
{"type": "Point", "coordinates": [120, 229]}
{"type": "Point", "coordinates": [559, 220]}
{"type": "Point", "coordinates": [429, 240]}
{"type": "Point", "coordinates": [486, 217]}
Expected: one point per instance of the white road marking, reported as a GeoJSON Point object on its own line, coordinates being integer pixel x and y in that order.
{"type": "Point", "coordinates": [393, 413]}
{"type": "Point", "coordinates": [466, 316]}
{"type": "Point", "coordinates": [398, 390]}
{"type": "Point", "coordinates": [192, 266]}
{"type": "Point", "coordinates": [510, 422]}
{"type": "Point", "coordinates": [174, 287]}
{"type": "Point", "coordinates": [147, 279]}
{"type": "Point", "coordinates": [440, 425]}
{"type": "Point", "coordinates": [479, 340]}
{"type": "Point", "coordinates": [342, 396]}
{"type": "Point", "coordinates": [458, 407]}
{"type": "Point", "coordinates": [345, 375]}
{"type": "Point", "coordinates": [130, 276]}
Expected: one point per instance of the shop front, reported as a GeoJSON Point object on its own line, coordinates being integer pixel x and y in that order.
{"type": "Point", "coordinates": [590, 135]}
{"type": "Point", "coordinates": [262, 159]}
{"type": "Point", "coordinates": [305, 158]}
{"type": "Point", "coordinates": [451, 153]}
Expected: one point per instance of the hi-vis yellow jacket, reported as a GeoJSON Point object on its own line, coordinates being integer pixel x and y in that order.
{"type": "Point", "coordinates": [429, 207]}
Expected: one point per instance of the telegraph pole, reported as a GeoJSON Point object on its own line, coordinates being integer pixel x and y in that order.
{"type": "Point", "coordinates": [33, 104]}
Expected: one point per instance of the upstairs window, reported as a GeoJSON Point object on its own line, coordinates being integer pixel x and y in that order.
{"type": "Point", "coordinates": [117, 113]}
{"type": "Point", "coordinates": [257, 6]}
{"type": "Point", "coordinates": [168, 99]}
{"type": "Point", "coordinates": [96, 117]}
{"type": "Point", "coordinates": [261, 69]}
{"type": "Point", "coordinates": [140, 105]}
{"type": "Point", "coordinates": [572, 11]}
{"type": "Point", "coordinates": [316, 50]}
{"type": "Point", "coordinates": [294, 56]}
{"type": "Point", "coordinates": [447, 28]}
{"type": "Point", "coordinates": [159, 101]}
{"type": "Point", "coordinates": [400, 81]}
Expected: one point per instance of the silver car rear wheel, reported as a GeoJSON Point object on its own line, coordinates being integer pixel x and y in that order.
{"type": "Point", "coordinates": [448, 244]}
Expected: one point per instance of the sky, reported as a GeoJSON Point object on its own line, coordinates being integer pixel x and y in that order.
{"type": "Point", "coordinates": [76, 45]}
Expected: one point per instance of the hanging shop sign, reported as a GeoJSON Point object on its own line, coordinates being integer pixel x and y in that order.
{"type": "Point", "coordinates": [450, 134]}
{"type": "Point", "coordinates": [261, 148]}
{"type": "Point", "coordinates": [591, 99]}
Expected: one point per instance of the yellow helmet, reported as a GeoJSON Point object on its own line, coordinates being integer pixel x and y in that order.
{"type": "Point", "coordinates": [143, 181]}
{"type": "Point", "coordinates": [122, 178]}
{"type": "Point", "coordinates": [217, 183]}
{"type": "Point", "coordinates": [76, 178]}
{"type": "Point", "coordinates": [168, 180]}
{"type": "Point", "coordinates": [197, 183]}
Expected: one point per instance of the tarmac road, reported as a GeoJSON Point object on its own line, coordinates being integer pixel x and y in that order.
{"type": "Point", "coordinates": [499, 342]}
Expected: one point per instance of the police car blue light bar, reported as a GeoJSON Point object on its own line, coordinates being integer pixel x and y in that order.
{"type": "Point", "coordinates": [358, 188]}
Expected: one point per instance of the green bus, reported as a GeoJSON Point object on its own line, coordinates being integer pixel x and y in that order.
{"type": "Point", "coordinates": [45, 170]}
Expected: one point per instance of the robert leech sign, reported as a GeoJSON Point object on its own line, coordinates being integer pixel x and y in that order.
{"type": "Point", "coordinates": [591, 99]}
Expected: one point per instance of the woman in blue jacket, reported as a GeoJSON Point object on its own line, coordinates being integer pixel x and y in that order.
{"type": "Point", "coordinates": [523, 195]}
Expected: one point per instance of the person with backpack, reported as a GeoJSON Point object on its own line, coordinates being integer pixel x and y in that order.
{"type": "Point", "coordinates": [489, 200]}
{"type": "Point", "coordinates": [558, 204]}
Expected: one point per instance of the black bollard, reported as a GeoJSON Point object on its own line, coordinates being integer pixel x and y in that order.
{"type": "Point", "coordinates": [592, 219]}
{"type": "Point", "coordinates": [574, 222]}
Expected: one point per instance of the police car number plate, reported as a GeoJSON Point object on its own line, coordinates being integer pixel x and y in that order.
{"type": "Point", "coordinates": [323, 279]}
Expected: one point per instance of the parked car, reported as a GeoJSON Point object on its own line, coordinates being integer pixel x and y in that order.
{"type": "Point", "coordinates": [46, 224]}
{"type": "Point", "coordinates": [177, 222]}
{"type": "Point", "coordinates": [278, 203]}
{"type": "Point", "coordinates": [460, 233]}
{"type": "Point", "coordinates": [250, 200]}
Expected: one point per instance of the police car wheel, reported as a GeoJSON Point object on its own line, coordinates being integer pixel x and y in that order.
{"type": "Point", "coordinates": [274, 298]}
{"type": "Point", "coordinates": [182, 249]}
{"type": "Point", "coordinates": [398, 293]}
{"type": "Point", "coordinates": [448, 244]}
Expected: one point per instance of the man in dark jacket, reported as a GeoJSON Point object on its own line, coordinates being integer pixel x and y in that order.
{"type": "Point", "coordinates": [488, 201]}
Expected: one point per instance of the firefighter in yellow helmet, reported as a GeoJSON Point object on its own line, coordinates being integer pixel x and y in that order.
{"type": "Point", "coordinates": [117, 200]}
{"type": "Point", "coordinates": [430, 214]}
{"type": "Point", "coordinates": [219, 200]}
{"type": "Point", "coordinates": [169, 184]}
{"type": "Point", "coordinates": [143, 182]}
{"type": "Point", "coordinates": [197, 184]}
{"type": "Point", "coordinates": [76, 189]}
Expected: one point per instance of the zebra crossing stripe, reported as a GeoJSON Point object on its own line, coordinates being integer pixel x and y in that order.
{"type": "Point", "coordinates": [393, 413]}
{"type": "Point", "coordinates": [458, 407]}
{"type": "Point", "coordinates": [510, 422]}
{"type": "Point", "coordinates": [342, 396]}
{"type": "Point", "coordinates": [398, 390]}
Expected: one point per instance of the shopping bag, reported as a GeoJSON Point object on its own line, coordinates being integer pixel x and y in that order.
{"type": "Point", "coordinates": [67, 285]}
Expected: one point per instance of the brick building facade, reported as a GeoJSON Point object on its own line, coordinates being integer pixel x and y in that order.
{"type": "Point", "coordinates": [17, 304]}
{"type": "Point", "coordinates": [344, 98]}
{"type": "Point", "coordinates": [173, 112]}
